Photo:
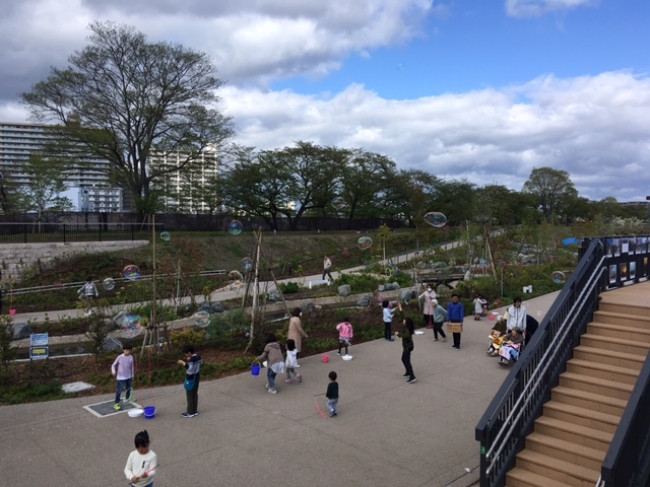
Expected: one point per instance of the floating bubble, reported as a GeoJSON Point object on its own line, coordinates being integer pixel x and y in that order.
{"type": "Point", "coordinates": [558, 277]}
{"type": "Point", "coordinates": [235, 227]}
{"type": "Point", "coordinates": [338, 203]}
{"type": "Point", "coordinates": [109, 284]}
{"type": "Point", "coordinates": [364, 243]}
{"type": "Point", "coordinates": [435, 219]}
{"type": "Point", "coordinates": [131, 326]}
{"type": "Point", "coordinates": [131, 272]}
{"type": "Point", "coordinates": [400, 67]}
{"type": "Point", "coordinates": [201, 318]}
{"type": "Point", "coordinates": [247, 264]}
{"type": "Point", "coordinates": [165, 236]}
{"type": "Point", "coordinates": [235, 276]}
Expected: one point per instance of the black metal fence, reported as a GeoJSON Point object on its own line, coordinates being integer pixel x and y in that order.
{"type": "Point", "coordinates": [181, 222]}
{"type": "Point", "coordinates": [604, 262]}
{"type": "Point", "coordinates": [66, 232]}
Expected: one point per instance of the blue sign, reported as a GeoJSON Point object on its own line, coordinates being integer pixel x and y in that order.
{"type": "Point", "coordinates": [39, 353]}
{"type": "Point", "coordinates": [39, 339]}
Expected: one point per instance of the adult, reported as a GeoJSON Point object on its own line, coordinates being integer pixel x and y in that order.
{"type": "Point", "coordinates": [192, 364]}
{"type": "Point", "coordinates": [407, 347]}
{"type": "Point", "coordinates": [427, 308]}
{"type": "Point", "coordinates": [327, 265]}
{"type": "Point", "coordinates": [517, 316]}
{"type": "Point", "coordinates": [439, 318]}
{"type": "Point", "coordinates": [456, 315]}
{"type": "Point", "coordinates": [509, 351]}
{"type": "Point", "coordinates": [275, 362]}
{"type": "Point", "coordinates": [296, 333]}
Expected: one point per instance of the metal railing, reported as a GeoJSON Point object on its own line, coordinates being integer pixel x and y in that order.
{"type": "Point", "coordinates": [511, 415]}
{"type": "Point", "coordinates": [627, 461]}
{"type": "Point", "coordinates": [37, 232]}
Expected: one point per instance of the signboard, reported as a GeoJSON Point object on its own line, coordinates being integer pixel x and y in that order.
{"type": "Point", "coordinates": [38, 346]}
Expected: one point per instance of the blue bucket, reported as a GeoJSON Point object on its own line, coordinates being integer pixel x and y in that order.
{"type": "Point", "coordinates": [150, 412]}
{"type": "Point", "coordinates": [255, 369]}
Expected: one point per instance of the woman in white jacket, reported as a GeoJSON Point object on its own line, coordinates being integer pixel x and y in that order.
{"type": "Point", "coordinates": [517, 316]}
{"type": "Point", "coordinates": [427, 308]}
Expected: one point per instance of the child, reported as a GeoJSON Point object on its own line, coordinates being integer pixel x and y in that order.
{"type": "Point", "coordinates": [88, 292]}
{"type": "Point", "coordinates": [332, 394]}
{"type": "Point", "coordinates": [345, 335]}
{"type": "Point", "coordinates": [273, 355]}
{"type": "Point", "coordinates": [496, 340]}
{"type": "Point", "coordinates": [509, 352]}
{"type": "Point", "coordinates": [142, 462]}
{"type": "Point", "coordinates": [292, 361]}
{"type": "Point", "coordinates": [388, 318]}
{"type": "Point", "coordinates": [479, 304]}
{"type": "Point", "coordinates": [123, 370]}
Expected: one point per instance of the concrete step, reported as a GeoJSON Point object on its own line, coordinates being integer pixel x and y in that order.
{"type": "Point", "coordinates": [588, 400]}
{"type": "Point", "coordinates": [619, 331]}
{"type": "Point", "coordinates": [580, 435]}
{"type": "Point", "coordinates": [597, 386]}
{"type": "Point", "coordinates": [615, 344]}
{"type": "Point", "coordinates": [603, 371]}
{"type": "Point", "coordinates": [518, 477]}
{"type": "Point", "coordinates": [565, 450]}
{"type": "Point", "coordinates": [638, 322]}
{"type": "Point", "coordinates": [611, 304]}
{"type": "Point", "coordinates": [557, 469]}
{"type": "Point", "coordinates": [605, 356]}
{"type": "Point", "coordinates": [582, 416]}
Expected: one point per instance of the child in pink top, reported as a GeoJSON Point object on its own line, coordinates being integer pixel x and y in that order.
{"type": "Point", "coordinates": [345, 335]}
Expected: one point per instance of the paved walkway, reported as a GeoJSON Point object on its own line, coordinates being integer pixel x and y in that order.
{"type": "Point", "coordinates": [388, 433]}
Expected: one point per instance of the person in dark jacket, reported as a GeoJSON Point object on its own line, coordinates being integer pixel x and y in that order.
{"type": "Point", "coordinates": [407, 348]}
{"type": "Point", "coordinates": [192, 364]}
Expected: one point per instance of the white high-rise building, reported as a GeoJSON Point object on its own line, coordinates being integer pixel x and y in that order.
{"type": "Point", "coordinates": [90, 174]}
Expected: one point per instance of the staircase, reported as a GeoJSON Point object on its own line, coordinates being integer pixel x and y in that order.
{"type": "Point", "coordinates": [573, 434]}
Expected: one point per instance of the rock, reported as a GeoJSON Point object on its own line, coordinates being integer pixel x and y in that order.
{"type": "Point", "coordinates": [396, 286]}
{"type": "Point", "coordinates": [421, 265]}
{"type": "Point", "coordinates": [22, 330]}
{"type": "Point", "coordinates": [344, 290]}
{"type": "Point", "coordinates": [438, 265]}
{"type": "Point", "coordinates": [381, 288]}
{"type": "Point", "coordinates": [364, 302]}
{"type": "Point", "coordinates": [406, 296]}
{"type": "Point", "coordinates": [110, 344]}
{"type": "Point", "coordinates": [273, 296]}
{"type": "Point", "coordinates": [212, 307]}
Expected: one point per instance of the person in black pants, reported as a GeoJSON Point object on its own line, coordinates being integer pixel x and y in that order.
{"type": "Point", "coordinates": [407, 348]}
{"type": "Point", "coordinates": [192, 364]}
{"type": "Point", "coordinates": [455, 314]}
{"type": "Point", "coordinates": [387, 316]}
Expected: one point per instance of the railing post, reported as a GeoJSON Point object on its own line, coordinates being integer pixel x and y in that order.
{"type": "Point", "coordinates": [132, 232]}
{"type": "Point", "coordinates": [100, 232]}
{"type": "Point", "coordinates": [64, 240]}
{"type": "Point", "coordinates": [24, 232]}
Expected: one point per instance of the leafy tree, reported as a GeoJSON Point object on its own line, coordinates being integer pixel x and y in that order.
{"type": "Point", "coordinates": [552, 188]}
{"type": "Point", "coordinates": [126, 100]}
{"type": "Point", "coordinates": [43, 191]}
{"type": "Point", "coordinates": [455, 199]}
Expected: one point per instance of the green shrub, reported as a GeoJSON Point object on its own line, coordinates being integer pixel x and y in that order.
{"type": "Point", "coordinates": [187, 336]}
{"type": "Point", "coordinates": [228, 330]}
{"type": "Point", "coordinates": [289, 287]}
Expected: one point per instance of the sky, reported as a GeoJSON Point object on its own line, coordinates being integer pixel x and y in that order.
{"type": "Point", "coordinates": [483, 90]}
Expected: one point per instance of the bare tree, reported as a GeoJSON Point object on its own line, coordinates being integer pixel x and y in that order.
{"type": "Point", "coordinates": [125, 100]}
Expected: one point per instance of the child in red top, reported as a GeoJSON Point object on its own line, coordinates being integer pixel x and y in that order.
{"type": "Point", "coordinates": [345, 335]}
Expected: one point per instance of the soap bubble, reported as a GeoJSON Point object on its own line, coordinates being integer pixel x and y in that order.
{"type": "Point", "coordinates": [435, 219]}
{"type": "Point", "coordinates": [558, 277]}
{"type": "Point", "coordinates": [201, 318]}
{"type": "Point", "coordinates": [338, 203]}
{"type": "Point", "coordinates": [165, 236]}
{"type": "Point", "coordinates": [235, 227]}
{"type": "Point", "coordinates": [235, 276]}
{"type": "Point", "coordinates": [109, 284]}
{"type": "Point", "coordinates": [131, 272]}
{"type": "Point", "coordinates": [364, 243]}
{"type": "Point", "coordinates": [131, 326]}
{"type": "Point", "coordinates": [247, 264]}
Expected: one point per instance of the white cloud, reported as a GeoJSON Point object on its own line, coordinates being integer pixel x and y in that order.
{"type": "Point", "coordinates": [534, 8]}
{"type": "Point", "coordinates": [595, 127]}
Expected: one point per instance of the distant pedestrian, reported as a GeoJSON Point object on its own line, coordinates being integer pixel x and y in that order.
{"type": "Point", "coordinates": [479, 305]}
{"type": "Point", "coordinates": [275, 363]}
{"type": "Point", "coordinates": [123, 369]}
{"type": "Point", "coordinates": [141, 465]}
{"type": "Point", "coordinates": [439, 318]}
{"type": "Point", "coordinates": [291, 363]}
{"type": "Point", "coordinates": [387, 316]}
{"type": "Point", "coordinates": [407, 347]}
{"type": "Point", "coordinates": [427, 307]}
{"type": "Point", "coordinates": [456, 315]}
{"type": "Point", "coordinates": [296, 332]}
{"type": "Point", "coordinates": [88, 292]}
{"type": "Point", "coordinates": [346, 332]}
{"type": "Point", "coordinates": [327, 265]}
{"type": "Point", "coordinates": [332, 394]}
{"type": "Point", "coordinates": [192, 364]}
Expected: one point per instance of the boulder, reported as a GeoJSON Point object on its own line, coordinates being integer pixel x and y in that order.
{"type": "Point", "coordinates": [396, 286]}
{"type": "Point", "coordinates": [382, 288]}
{"type": "Point", "coordinates": [274, 296]}
{"type": "Point", "coordinates": [110, 344]}
{"type": "Point", "coordinates": [344, 290]}
{"type": "Point", "coordinates": [364, 302]}
{"type": "Point", "coordinates": [212, 307]}
{"type": "Point", "coordinates": [406, 295]}
{"type": "Point", "coordinates": [22, 330]}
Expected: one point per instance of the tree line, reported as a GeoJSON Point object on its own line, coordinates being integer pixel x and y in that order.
{"type": "Point", "coordinates": [128, 101]}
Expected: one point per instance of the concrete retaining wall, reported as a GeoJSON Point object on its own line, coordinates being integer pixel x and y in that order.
{"type": "Point", "coordinates": [17, 258]}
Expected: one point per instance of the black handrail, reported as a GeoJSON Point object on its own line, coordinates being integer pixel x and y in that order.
{"type": "Point", "coordinates": [629, 450]}
{"type": "Point", "coordinates": [518, 403]}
